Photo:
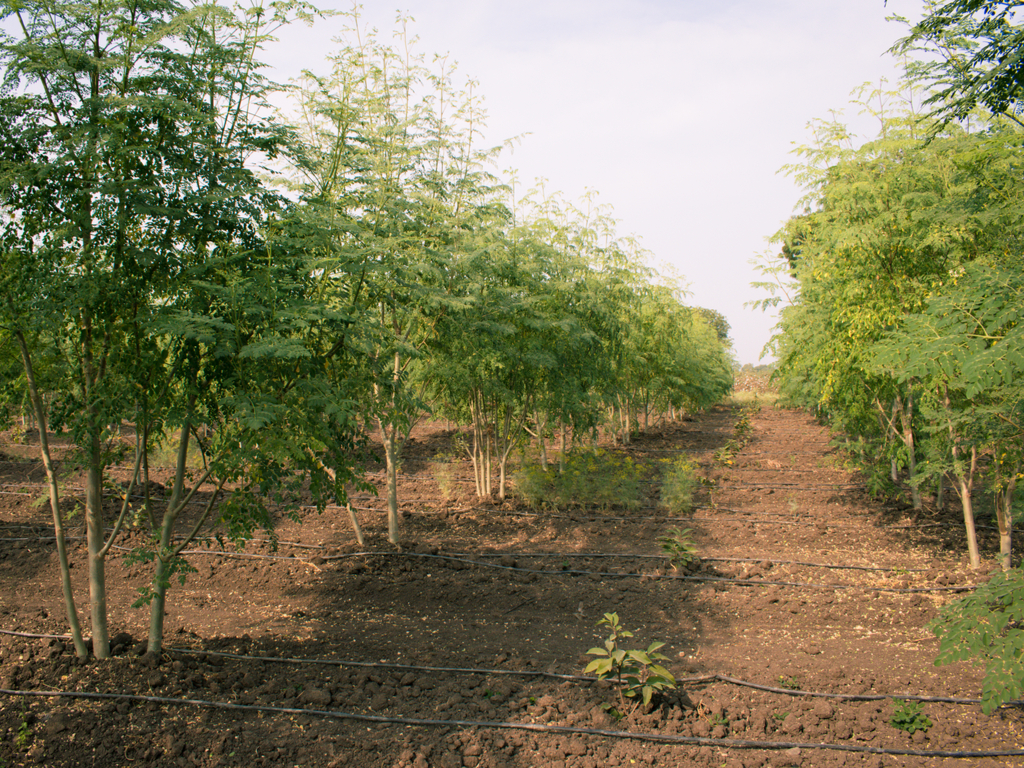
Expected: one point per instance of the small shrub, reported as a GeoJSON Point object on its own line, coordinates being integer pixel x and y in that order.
{"type": "Point", "coordinates": [638, 672]}
{"type": "Point", "coordinates": [593, 478]}
{"type": "Point", "coordinates": [908, 716]}
{"type": "Point", "coordinates": [678, 482]}
{"type": "Point", "coordinates": [679, 547]}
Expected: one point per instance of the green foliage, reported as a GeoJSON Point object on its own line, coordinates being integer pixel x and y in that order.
{"type": "Point", "coordinates": [909, 716]}
{"type": "Point", "coordinates": [598, 478]}
{"type": "Point", "coordinates": [23, 738]}
{"type": "Point", "coordinates": [637, 672]}
{"type": "Point", "coordinates": [987, 627]}
{"type": "Point", "coordinates": [790, 683]}
{"type": "Point", "coordinates": [678, 480]}
{"type": "Point", "coordinates": [975, 56]}
{"type": "Point", "coordinates": [743, 433]}
{"type": "Point", "coordinates": [679, 547]}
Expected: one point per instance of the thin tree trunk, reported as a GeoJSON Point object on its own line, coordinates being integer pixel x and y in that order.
{"type": "Point", "coordinates": [391, 468]}
{"type": "Point", "coordinates": [94, 543]}
{"type": "Point", "coordinates": [1004, 519]}
{"type": "Point", "coordinates": [52, 484]}
{"type": "Point", "coordinates": [906, 422]}
{"type": "Point", "coordinates": [965, 484]}
{"type": "Point", "coordinates": [355, 524]}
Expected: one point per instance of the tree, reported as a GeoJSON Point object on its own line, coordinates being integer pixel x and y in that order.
{"type": "Point", "coordinates": [134, 257]}
{"type": "Point", "coordinates": [979, 48]}
{"type": "Point", "coordinates": [391, 187]}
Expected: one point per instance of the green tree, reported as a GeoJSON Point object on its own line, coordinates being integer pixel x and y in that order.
{"type": "Point", "coordinates": [134, 257]}
{"type": "Point", "coordinates": [392, 189]}
{"type": "Point", "coordinates": [972, 57]}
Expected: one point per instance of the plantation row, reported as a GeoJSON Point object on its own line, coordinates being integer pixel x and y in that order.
{"type": "Point", "coordinates": [905, 280]}
{"type": "Point", "coordinates": [249, 296]}
{"type": "Point", "coordinates": [905, 289]}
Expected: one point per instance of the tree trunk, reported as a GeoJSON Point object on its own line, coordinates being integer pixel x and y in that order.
{"type": "Point", "coordinates": [161, 580]}
{"type": "Point", "coordinates": [95, 542]}
{"type": "Point", "coordinates": [906, 422]}
{"type": "Point", "coordinates": [52, 483]}
{"type": "Point", "coordinates": [1004, 519]}
{"type": "Point", "coordinates": [391, 468]}
{"type": "Point", "coordinates": [965, 484]}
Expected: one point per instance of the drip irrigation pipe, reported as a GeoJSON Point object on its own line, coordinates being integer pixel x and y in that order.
{"type": "Point", "coordinates": [798, 486]}
{"type": "Point", "coordinates": [535, 727]}
{"type": "Point", "coordinates": [577, 572]}
{"type": "Point", "coordinates": [555, 555]}
{"type": "Point", "coordinates": [627, 556]}
{"type": "Point", "coordinates": [708, 678]}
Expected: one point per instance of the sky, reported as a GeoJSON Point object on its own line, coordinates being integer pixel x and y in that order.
{"type": "Point", "coordinates": [677, 113]}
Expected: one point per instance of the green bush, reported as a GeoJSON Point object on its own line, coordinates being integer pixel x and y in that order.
{"type": "Point", "coordinates": [987, 627]}
{"type": "Point", "coordinates": [909, 716]}
{"type": "Point", "coordinates": [679, 478]}
{"type": "Point", "coordinates": [591, 479]}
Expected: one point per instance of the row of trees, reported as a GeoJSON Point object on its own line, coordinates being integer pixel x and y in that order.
{"type": "Point", "coordinates": [905, 274]}
{"type": "Point", "coordinates": [264, 292]}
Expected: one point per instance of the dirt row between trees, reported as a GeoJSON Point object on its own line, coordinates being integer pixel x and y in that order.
{"type": "Point", "coordinates": [466, 648]}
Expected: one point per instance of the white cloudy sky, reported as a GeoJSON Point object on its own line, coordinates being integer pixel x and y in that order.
{"type": "Point", "coordinates": [679, 113]}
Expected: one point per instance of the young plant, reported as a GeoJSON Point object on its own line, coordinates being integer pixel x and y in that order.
{"type": "Point", "coordinates": [638, 672]}
{"type": "Point", "coordinates": [679, 547]}
{"type": "Point", "coordinates": [24, 735]}
{"type": "Point", "coordinates": [678, 481]}
{"type": "Point", "coordinates": [908, 716]}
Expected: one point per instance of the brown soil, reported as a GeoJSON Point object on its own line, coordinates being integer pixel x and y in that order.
{"type": "Point", "coordinates": [317, 656]}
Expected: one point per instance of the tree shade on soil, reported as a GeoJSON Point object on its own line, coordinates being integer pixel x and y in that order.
{"type": "Point", "coordinates": [467, 592]}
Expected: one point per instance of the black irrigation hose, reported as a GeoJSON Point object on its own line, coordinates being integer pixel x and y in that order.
{"type": "Point", "coordinates": [797, 486]}
{"type": "Point", "coordinates": [627, 556]}
{"type": "Point", "coordinates": [712, 677]}
{"type": "Point", "coordinates": [535, 727]}
{"type": "Point", "coordinates": [604, 574]}
{"type": "Point", "coordinates": [555, 555]}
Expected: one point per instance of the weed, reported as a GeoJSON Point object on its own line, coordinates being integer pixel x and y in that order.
{"type": "Point", "coordinates": [638, 672]}
{"type": "Point", "coordinates": [596, 478]}
{"type": "Point", "coordinates": [678, 481]}
{"type": "Point", "coordinates": [443, 468]}
{"type": "Point", "coordinates": [24, 735]}
{"type": "Point", "coordinates": [908, 716]}
{"type": "Point", "coordinates": [719, 719]}
{"type": "Point", "coordinates": [790, 683]}
{"type": "Point", "coordinates": [679, 547]}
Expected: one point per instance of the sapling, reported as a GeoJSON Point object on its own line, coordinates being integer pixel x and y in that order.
{"type": "Point", "coordinates": [638, 672]}
{"type": "Point", "coordinates": [679, 547]}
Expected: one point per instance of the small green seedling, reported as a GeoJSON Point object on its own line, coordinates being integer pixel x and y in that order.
{"type": "Point", "coordinates": [638, 672]}
{"type": "Point", "coordinates": [790, 683]}
{"type": "Point", "coordinates": [908, 716]}
{"type": "Point", "coordinates": [24, 736]}
{"type": "Point", "coordinates": [679, 547]}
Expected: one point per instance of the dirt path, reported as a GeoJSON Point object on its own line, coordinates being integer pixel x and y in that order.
{"type": "Point", "coordinates": [328, 657]}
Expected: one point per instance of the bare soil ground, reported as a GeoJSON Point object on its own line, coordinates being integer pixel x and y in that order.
{"type": "Point", "coordinates": [465, 648]}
